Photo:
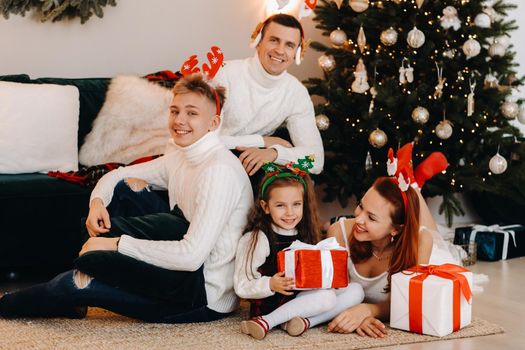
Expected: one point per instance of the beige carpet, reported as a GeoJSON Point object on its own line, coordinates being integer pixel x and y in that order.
{"type": "Point", "coordinates": [104, 330]}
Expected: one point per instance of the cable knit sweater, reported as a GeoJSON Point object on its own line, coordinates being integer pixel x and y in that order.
{"type": "Point", "coordinates": [257, 103]}
{"type": "Point", "coordinates": [212, 189]}
{"type": "Point", "coordinates": [250, 283]}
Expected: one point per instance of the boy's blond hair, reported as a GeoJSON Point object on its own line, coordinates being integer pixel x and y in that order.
{"type": "Point", "coordinates": [197, 84]}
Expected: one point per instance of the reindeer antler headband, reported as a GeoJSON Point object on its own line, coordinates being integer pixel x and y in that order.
{"type": "Point", "coordinates": [296, 170]}
{"type": "Point", "coordinates": [399, 168]}
{"type": "Point", "coordinates": [215, 58]}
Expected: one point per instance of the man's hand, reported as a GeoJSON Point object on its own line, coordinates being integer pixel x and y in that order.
{"type": "Point", "coordinates": [273, 140]}
{"type": "Point", "coordinates": [98, 220]}
{"type": "Point", "coordinates": [281, 284]}
{"type": "Point", "coordinates": [371, 327]}
{"type": "Point", "coordinates": [348, 320]}
{"type": "Point", "coordinates": [253, 159]}
{"type": "Point", "coordinates": [99, 243]}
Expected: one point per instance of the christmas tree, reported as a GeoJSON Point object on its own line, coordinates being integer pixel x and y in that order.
{"type": "Point", "coordinates": [436, 73]}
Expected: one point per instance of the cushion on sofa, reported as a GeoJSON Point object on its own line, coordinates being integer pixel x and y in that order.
{"type": "Point", "coordinates": [39, 126]}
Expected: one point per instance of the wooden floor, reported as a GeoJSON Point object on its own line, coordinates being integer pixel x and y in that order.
{"type": "Point", "coordinates": [502, 302]}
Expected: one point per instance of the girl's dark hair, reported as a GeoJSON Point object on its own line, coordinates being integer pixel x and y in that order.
{"type": "Point", "coordinates": [308, 229]}
{"type": "Point", "coordinates": [406, 241]}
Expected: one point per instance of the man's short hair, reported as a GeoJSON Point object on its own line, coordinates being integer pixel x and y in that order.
{"type": "Point", "coordinates": [284, 20]}
{"type": "Point", "coordinates": [197, 84]}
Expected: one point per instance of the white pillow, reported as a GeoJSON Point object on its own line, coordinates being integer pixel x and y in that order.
{"type": "Point", "coordinates": [38, 128]}
{"type": "Point", "coordinates": [132, 123]}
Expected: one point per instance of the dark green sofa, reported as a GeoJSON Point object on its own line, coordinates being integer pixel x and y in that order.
{"type": "Point", "coordinates": [40, 215]}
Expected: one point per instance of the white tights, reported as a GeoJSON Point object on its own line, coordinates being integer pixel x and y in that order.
{"type": "Point", "coordinates": [346, 297]}
{"type": "Point", "coordinates": [317, 305]}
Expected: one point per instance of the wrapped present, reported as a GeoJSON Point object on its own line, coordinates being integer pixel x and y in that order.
{"type": "Point", "coordinates": [320, 266]}
{"type": "Point", "coordinates": [493, 242]}
{"type": "Point", "coordinates": [432, 299]}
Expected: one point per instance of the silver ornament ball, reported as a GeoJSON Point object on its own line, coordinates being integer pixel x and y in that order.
{"type": "Point", "coordinates": [521, 116]}
{"type": "Point", "coordinates": [338, 37]}
{"type": "Point", "coordinates": [482, 20]}
{"type": "Point", "coordinates": [358, 5]}
{"type": "Point", "coordinates": [327, 62]}
{"type": "Point", "coordinates": [498, 164]}
{"type": "Point", "coordinates": [322, 122]}
{"type": "Point", "coordinates": [378, 138]}
{"type": "Point", "coordinates": [420, 115]}
{"type": "Point", "coordinates": [388, 36]}
{"type": "Point", "coordinates": [510, 110]}
{"type": "Point", "coordinates": [444, 129]}
{"type": "Point", "coordinates": [415, 38]}
{"type": "Point", "coordinates": [471, 48]}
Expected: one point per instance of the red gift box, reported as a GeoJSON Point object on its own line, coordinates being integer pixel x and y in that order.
{"type": "Point", "coordinates": [320, 266]}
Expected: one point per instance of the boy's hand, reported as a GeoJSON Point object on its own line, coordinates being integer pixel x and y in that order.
{"type": "Point", "coordinates": [281, 284]}
{"type": "Point", "coordinates": [98, 220]}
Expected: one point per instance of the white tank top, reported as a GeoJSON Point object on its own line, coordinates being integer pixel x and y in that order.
{"type": "Point", "coordinates": [372, 286]}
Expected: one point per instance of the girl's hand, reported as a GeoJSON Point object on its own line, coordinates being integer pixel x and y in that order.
{"type": "Point", "coordinates": [98, 220]}
{"type": "Point", "coordinates": [371, 327]}
{"type": "Point", "coordinates": [348, 320]}
{"type": "Point", "coordinates": [281, 284]}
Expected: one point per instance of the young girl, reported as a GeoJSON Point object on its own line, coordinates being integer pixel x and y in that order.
{"type": "Point", "coordinates": [284, 212]}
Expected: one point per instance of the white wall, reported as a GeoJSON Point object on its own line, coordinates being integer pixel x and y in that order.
{"type": "Point", "coordinates": [140, 37]}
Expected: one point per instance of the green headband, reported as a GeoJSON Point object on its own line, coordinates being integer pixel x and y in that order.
{"type": "Point", "coordinates": [296, 170]}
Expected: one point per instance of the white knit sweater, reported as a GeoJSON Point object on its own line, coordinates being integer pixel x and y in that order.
{"type": "Point", "coordinates": [212, 189]}
{"type": "Point", "coordinates": [257, 103]}
{"type": "Point", "coordinates": [248, 282]}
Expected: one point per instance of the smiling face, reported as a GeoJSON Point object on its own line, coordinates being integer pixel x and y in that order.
{"type": "Point", "coordinates": [373, 218]}
{"type": "Point", "coordinates": [191, 116]}
{"type": "Point", "coordinates": [285, 205]}
{"type": "Point", "coordinates": [278, 47]}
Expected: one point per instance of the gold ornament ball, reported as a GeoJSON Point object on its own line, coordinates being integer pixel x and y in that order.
{"type": "Point", "coordinates": [471, 48]}
{"type": "Point", "coordinates": [338, 37]}
{"type": "Point", "coordinates": [378, 138]}
{"type": "Point", "coordinates": [388, 36]}
{"type": "Point", "coordinates": [510, 110]}
{"type": "Point", "coordinates": [496, 49]}
{"type": "Point", "coordinates": [498, 164]}
{"type": "Point", "coordinates": [420, 115]}
{"type": "Point", "coordinates": [322, 122]}
{"type": "Point", "coordinates": [415, 38]}
{"type": "Point", "coordinates": [444, 129]}
{"type": "Point", "coordinates": [327, 62]}
{"type": "Point", "coordinates": [359, 5]}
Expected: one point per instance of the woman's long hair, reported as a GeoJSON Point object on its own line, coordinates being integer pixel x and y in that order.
{"type": "Point", "coordinates": [308, 229]}
{"type": "Point", "coordinates": [406, 242]}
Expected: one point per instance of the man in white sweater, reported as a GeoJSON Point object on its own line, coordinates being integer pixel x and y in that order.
{"type": "Point", "coordinates": [206, 185]}
{"type": "Point", "coordinates": [262, 96]}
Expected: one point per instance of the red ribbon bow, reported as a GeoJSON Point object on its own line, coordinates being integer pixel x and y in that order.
{"type": "Point", "coordinates": [415, 292]}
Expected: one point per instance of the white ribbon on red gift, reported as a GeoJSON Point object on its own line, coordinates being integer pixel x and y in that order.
{"type": "Point", "coordinates": [327, 265]}
{"type": "Point", "coordinates": [505, 230]}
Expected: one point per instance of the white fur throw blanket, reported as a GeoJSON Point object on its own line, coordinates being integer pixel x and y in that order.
{"type": "Point", "coordinates": [132, 123]}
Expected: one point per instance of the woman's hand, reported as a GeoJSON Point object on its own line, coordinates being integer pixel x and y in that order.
{"type": "Point", "coordinates": [371, 327]}
{"type": "Point", "coordinates": [99, 243]}
{"type": "Point", "coordinates": [348, 320]}
{"type": "Point", "coordinates": [98, 220]}
{"type": "Point", "coordinates": [281, 284]}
